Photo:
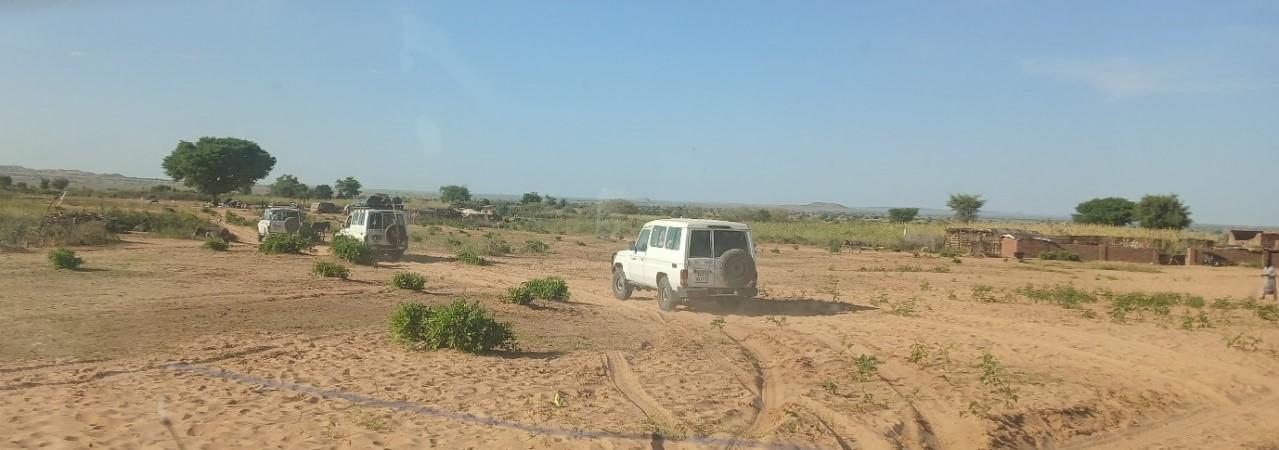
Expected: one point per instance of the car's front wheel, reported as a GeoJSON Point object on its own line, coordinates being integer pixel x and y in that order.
{"type": "Point", "coordinates": [622, 289]}
{"type": "Point", "coordinates": [666, 296]}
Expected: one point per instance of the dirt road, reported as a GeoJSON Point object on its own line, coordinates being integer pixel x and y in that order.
{"type": "Point", "coordinates": [159, 344]}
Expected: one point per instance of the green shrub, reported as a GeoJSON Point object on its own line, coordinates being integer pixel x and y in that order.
{"type": "Point", "coordinates": [834, 245]}
{"type": "Point", "coordinates": [518, 295]}
{"type": "Point", "coordinates": [216, 244]}
{"type": "Point", "coordinates": [949, 253]}
{"type": "Point", "coordinates": [492, 245]}
{"type": "Point", "coordinates": [1058, 255]}
{"type": "Point", "coordinates": [279, 243]}
{"type": "Point", "coordinates": [535, 246]}
{"type": "Point", "coordinates": [352, 250]}
{"type": "Point", "coordinates": [1063, 295]}
{"type": "Point", "coordinates": [459, 325]}
{"type": "Point", "coordinates": [409, 281]}
{"type": "Point", "coordinates": [328, 269]}
{"type": "Point", "coordinates": [234, 219]}
{"type": "Point", "coordinates": [548, 288]}
{"type": "Point", "coordinates": [64, 258]}
{"type": "Point", "coordinates": [472, 258]}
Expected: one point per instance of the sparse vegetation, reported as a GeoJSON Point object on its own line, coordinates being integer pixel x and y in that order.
{"type": "Point", "coordinates": [1123, 267]}
{"type": "Point", "coordinates": [460, 325]}
{"type": "Point", "coordinates": [216, 244]}
{"type": "Point", "coordinates": [472, 258]}
{"type": "Point", "coordinates": [1058, 255]}
{"type": "Point", "coordinates": [779, 321]}
{"type": "Point", "coordinates": [235, 219]}
{"type": "Point", "coordinates": [352, 250]}
{"type": "Point", "coordinates": [866, 366]}
{"type": "Point", "coordinates": [64, 258]}
{"type": "Point", "coordinates": [984, 293]}
{"type": "Point", "coordinates": [282, 243]}
{"type": "Point", "coordinates": [327, 269]}
{"type": "Point", "coordinates": [535, 247]}
{"type": "Point", "coordinates": [718, 323]}
{"type": "Point", "coordinates": [408, 281]}
{"type": "Point", "coordinates": [1063, 295]}
{"type": "Point", "coordinates": [548, 288]}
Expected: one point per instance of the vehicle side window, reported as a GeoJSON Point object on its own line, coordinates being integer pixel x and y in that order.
{"type": "Point", "coordinates": [641, 244]}
{"type": "Point", "coordinates": [672, 238]}
{"type": "Point", "coordinates": [699, 244]}
{"type": "Point", "coordinates": [359, 218]}
{"type": "Point", "coordinates": [656, 240]}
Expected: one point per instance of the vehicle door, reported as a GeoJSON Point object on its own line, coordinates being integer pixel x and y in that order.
{"type": "Point", "coordinates": [701, 259]}
{"type": "Point", "coordinates": [635, 267]}
{"type": "Point", "coordinates": [355, 225]}
{"type": "Point", "coordinates": [656, 260]}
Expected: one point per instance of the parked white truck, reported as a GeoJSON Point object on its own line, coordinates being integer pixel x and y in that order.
{"type": "Point", "coordinates": [687, 258]}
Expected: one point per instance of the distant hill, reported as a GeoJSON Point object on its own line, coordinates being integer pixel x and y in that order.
{"type": "Point", "coordinates": [80, 178]}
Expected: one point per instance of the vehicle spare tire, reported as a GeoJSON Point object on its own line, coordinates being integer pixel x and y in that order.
{"type": "Point", "coordinates": [292, 225]}
{"type": "Point", "coordinates": [738, 268]}
{"type": "Point", "coordinates": [395, 235]}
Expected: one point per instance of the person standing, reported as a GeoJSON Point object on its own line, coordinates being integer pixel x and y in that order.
{"type": "Point", "coordinates": [1268, 277]}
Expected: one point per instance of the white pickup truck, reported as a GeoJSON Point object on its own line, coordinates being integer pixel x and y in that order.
{"type": "Point", "coordinates": [687, 258]}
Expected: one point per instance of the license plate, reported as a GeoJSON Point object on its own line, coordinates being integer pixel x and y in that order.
{"type": "Point", "coordinates": [701, 276]}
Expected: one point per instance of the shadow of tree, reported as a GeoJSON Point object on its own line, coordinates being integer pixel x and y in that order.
{"type": "Point", "coordinates": [754, 307]}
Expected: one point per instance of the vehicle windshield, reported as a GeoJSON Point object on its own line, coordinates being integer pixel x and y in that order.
{"type": "Point", "coordinates": [656, 224]}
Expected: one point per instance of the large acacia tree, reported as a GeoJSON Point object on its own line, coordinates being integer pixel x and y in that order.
{"type": "Point", "coordinates": [1106, 211]}
{"type": "Point", "coordinates": [215, 166]}
{"type": "Point", "coordinates": [1162, 212]}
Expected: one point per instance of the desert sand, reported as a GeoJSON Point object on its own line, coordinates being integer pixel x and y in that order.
{"type": "Point", "coordinates": [159, 344]}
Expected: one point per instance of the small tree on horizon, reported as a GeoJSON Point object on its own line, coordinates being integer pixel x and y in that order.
{"type": "Point", "coordinates": [1105, 211]}
{"type": "Point", "coordinates": [530, 198]}
{"type": "Point", "coordinates": [44, 184]}
{"type": "Point", "coordinates": [60, 183]}
{"type": "Point", "coordinates": [5, 181]}
{"type": "Point", "coordinates": [1162, 212]}
{"type": "Point", "coordinates": [322, 192]}
{"type": "Point", "coordinates": [902, 215]}
{"type": "Point", "coordinates": [455, 194]}
{"type": "Point", "coordinates": [966, 206]}
{"type": "Point", "coordinates": [347, 187]}
{"type": "Point", "coordinates": [215, 166]}
{"type": "Point", "coordinates": [289, 186]}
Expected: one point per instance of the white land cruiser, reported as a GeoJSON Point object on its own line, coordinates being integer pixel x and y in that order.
{"type": "Point", "coordinates": [279, 219]}
{"type": "Point", "coordinates": [684, 258]}
{"type": "Point", "coordinates": [383, 228]}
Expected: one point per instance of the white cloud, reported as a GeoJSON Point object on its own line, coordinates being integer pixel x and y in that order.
{"type": "Point", "coordinates": [1121, 78]}
{"type": "Point", "coordinates": [75, 53]}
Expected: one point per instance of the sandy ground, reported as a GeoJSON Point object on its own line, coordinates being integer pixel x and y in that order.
{"type": "Point", "coordinates": [159, 344]}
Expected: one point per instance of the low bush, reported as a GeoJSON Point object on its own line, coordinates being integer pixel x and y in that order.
{"type": "Point", "coordinates": [280, 243]}
{"type": "Point", "coordinates": [167, 223]}
{"type": "Point", "coordinates": [459, 325]}
{"type": "Point", "coordinates": [472, 258]}
{"type": "Point", "coordinates": [518, 295]}
{"type": "Point", "coordinates": [235, 219]}
{"type": "Point", "coordinates": [328, 269]}
{"type": "Point", "coordinates": [1063, 295]}
{"type": "Point", "coordinates": [536, 247]}
{"type": "Point", "coordinates": [216, 244]}
{"type": "Point", "coordinates": [1058, 255]}
{"type": "Point", "coordinates": [548, 288]}
{"type": "Point", "coordinates": [64, 258]}
{"type": "Point", "coordinates": [352, 250]}
{"type": "Point", "coordinates": [492, 245]}
{"type": "Point", "coordinates": [409, 281]}
{"type": "Point", "coordinates": [834, 245]}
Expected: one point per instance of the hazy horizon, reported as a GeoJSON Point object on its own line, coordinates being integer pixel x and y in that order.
{"type": "Point", "coordinates": [1036, 107]}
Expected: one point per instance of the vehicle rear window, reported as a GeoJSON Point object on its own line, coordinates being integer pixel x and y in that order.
{"type": "Point", "coordinates": [672, 238]}
{"type": "Point", "coordinates": [699, 244]}
{"type": "Point", "coordinates": [726, 240]}
{"type": "Point", "coordinates": [381, 220]}
{"type": "Point", "coordinates": [656, 241]}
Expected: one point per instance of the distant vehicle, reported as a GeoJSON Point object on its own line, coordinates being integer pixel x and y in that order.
{"type": "Point", "coordinates": [380, 223]}
{"type": "Point", "coordinates": [279, 219]}
{"type": "Point", "coordinates": [687, 258]}
{"type": "Point", "coordinates": [325, 208]}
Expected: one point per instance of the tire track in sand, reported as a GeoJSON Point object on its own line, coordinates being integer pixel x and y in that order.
{"type": "Point", "coordinates": [622, 378]}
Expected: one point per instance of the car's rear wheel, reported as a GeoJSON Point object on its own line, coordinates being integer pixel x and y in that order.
{"type": "Point", "coordinates": [666, 296]}
{"type": "Point", "coordinates": [622, 289]}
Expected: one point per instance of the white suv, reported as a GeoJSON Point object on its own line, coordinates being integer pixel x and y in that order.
{"type": "Point", "coordinates": [384, 229]}
{"type": "Point", "coordinates": [279, 219]}
{"type": "Point", "coordinates": [683, 258]}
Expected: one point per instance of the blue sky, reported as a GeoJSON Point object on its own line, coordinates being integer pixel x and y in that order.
{"type": "Point", "coordinates": [1035, 105]}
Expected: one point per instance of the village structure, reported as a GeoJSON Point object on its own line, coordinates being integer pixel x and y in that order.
{"type": "Point", "coordinates": [1241, 247]}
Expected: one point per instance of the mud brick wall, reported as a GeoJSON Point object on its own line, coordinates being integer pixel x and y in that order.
{"type": "Point", "coordinates": [1132, 255]}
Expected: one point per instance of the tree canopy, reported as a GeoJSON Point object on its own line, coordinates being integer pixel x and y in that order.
{"type": "Point", "coordinates": [1162, 212]}
{"type": "Point", "coordinates": [966, 206]}
{"type": "Point", "coordinates": [616, 206]}
{"type": "Point", "coordinates": [289, 186]}
{"type": "Point", "coordinates": [347, 187]}
{"type": "Point", "coordinates": [322, 191]}
{"type": "Point", "coordinates": [60, 183]}
{"type": "Point", "coordinates": [215, 166]}
{"type": "Point", "coordinates": [453, 194]}
{"type": "Point", "coordinates": [1105, 211]}
{"type": "Point", "coordinates": [6, 181]}
{"type": "Point", "coordinates": [902, 215]}
{"type": "Point", "coordinates": [530, 197]}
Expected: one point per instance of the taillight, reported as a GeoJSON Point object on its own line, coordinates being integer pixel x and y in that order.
{"type": "Point", "coordinates": [683, 278]}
